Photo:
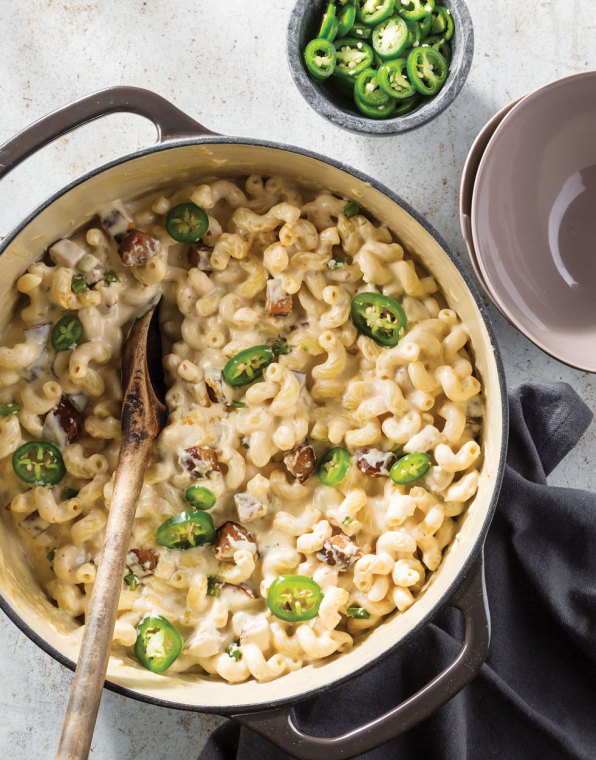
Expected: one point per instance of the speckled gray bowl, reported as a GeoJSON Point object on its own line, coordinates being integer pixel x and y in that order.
{"type": "Point", "coordinates": [335, 106]}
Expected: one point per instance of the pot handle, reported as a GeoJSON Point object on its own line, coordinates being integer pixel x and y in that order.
{"type": "Point", "coordinates": [278, 727]}
{"type": "Point", "coordinates": [169, 121]}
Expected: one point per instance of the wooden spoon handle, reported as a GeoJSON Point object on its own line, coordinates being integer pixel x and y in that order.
{"type": "Point", "coordinates": [89, 678]}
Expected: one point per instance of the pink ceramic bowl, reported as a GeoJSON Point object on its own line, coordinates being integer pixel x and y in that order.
{"type": "Point", "coordinates": [533, 218]}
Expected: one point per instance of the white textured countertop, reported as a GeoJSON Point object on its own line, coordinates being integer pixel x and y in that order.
{"type": "Point", "coordinates": [224, 63]}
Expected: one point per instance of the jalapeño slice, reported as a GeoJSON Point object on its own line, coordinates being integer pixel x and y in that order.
{"type": "Point", "coordinates": [379, 317]}
{"type": "Point", "coordinates": [319, 58]}
{"type": "Point", "coordinates": [390, 37]}
{"type": "Point", "coordinates": [158, 643]}
{"type": "Point", "coordinates": [67, 333]}
{"type": "Point", "coordinates": [186, 530]}
{"type": "Point", "coordinates": [200, 497]}
{"type": "Point", "coordinates": [352, 57]}
{"type": "Point", "coordinates": [334, 466]}
{"type": "Point", "coordinates": [38, 463]}
{"type": "Point", "coordinates": [370, 12]}
{"type": "Point", "coordinates": [393, 79]}
{"type": "Point", "coordinates": [427, 70]}
{"type": "Point", "coordinates": [294, 598]}
{"type": "Point", "coordinates": [410, 468]}
{"type": "Point", "coordinates": [187, 222]}
{"type": "Point", "coordinates": [247, 365]}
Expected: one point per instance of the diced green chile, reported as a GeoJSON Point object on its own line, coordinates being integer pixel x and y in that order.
{"type": "Point", "coordinates": [390, 37]}
{"type": "Point", "coordinates": [187, 222]}
{"type": "Point", "coordinates": [442, 23]}
{"type": "Point", "coordinates": [346, 19]}
{"type": "Point", "coordinates": [358, 613]}
{"type": "Point", "coordinates": [370, 12]}
{"type": "Point", "coordinates": [79, 283]}
{"type": "Point", "coordinates": [320, 58]}
{"type": "Point", "coordinates": [329, 24]}
{"type": "Point", "coordinates": [367, 89]}
{"type": "Point", "coordinates": [334, 466]}
{"type": "Point", "coordinates": [111, 277]}
{"type": "Point", "coordinates": [280, 346]}
{"type": "Point", "coordinates": [393, 79]}
{"type": "Point", "coordinates": [67, 333]}
{"type": "Point", "coordinates": [351, 209]}
{"type": "Point", "coordinates": [158, 643]}
{"type": "Point", "coordinates": [416, 9]}
{"type": "Point", "coordinates": [352, 57]}
{"type": "Point", "coordinates": [247, 365]}
{"type": "Point", "coordinates": [427, 70]}
{"type": "Point", "coordinates": [6, 409]}
{"type": "Point", "coordinates": [379, 317]}
{"type": "Point", "coordinates": [186, 530]}
{"type": "Point", "coordinates": [132, 581]}
{"type": "Point", "coordinates": [375, 112]}
{"type": "Point", "coordinates": [294, 598]}
{"type": "Point", "coordinates": [200, 497]}
{"type": "Point", "coordinates": [410, 468]}
{"type": "Point", "coordinates": [69, 493]}
{"type": "Point", "coordinates": [38, 463]}
{"type": "Point", "coordinates": [213, 584]}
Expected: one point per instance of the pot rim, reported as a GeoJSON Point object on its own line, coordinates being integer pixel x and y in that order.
{"type": "Point", "coordinates": [502, 387]}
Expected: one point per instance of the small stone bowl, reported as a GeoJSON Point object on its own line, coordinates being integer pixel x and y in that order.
{"type": "Point", "coordinates": [334, 105]}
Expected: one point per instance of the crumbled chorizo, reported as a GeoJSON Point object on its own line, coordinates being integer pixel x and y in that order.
{"type": "Point", "coordinates": [63, 424]}
{"type": "Point", "coordinates": [339, 552]}
{"type": "Point", "coordinates": [249, 507]}
{"type": "Point", "coordinates": [230, 537]}
{"type": "Point", "coordinates": [300, 462]}
{"type": "Point", "coordinates": [200, 257]}
{"type": "Point", "coordinates": [199, 461]}
{"type": "Point", "coordinates": [116, 220]}
{"type": "Point", "coordinates": [279, 303]}
{"type": "Point", "coordinates": [137, 247]}
{"type": "Point", "coordinates": [375, 462]}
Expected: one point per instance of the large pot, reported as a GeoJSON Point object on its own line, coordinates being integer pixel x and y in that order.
{"type": "Point", "coordinates": [187, 151]}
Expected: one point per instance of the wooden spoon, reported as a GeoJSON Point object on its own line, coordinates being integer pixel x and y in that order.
{"type": "Point", "coordinates": [143, 416]}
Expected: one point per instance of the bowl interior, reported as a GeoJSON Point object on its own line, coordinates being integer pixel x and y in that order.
{"type": "Point", "coordinates": [533, 219]}
{"type": "Point", "coordinates": [153, 170]}
{"type": "Point", "coordinates": [336, 104]}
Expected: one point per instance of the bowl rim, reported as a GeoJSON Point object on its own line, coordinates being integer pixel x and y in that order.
{"type": "Point", "coordinates": [492, 292]}
{"type": "Point", "coordinates": [501, 389]}
{"type": "Point", "coordinates": [352, 122]}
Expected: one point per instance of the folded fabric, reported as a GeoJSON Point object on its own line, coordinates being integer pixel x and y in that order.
{"type": "Point", "coordinates": [535, 697]}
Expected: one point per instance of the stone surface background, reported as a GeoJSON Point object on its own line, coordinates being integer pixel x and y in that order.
{"type": "Point", "coordinates": [225, 64]}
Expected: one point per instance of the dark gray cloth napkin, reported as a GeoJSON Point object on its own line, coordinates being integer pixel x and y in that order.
{"type": "Point", "coordinates": [535, 697]}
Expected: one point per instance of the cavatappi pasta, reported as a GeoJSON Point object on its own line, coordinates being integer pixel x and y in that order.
{"type": "Point", "coordinates": [278, 268]}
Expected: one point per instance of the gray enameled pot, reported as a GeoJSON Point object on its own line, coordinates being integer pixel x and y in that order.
{"type": "Point", "coordinates": [186, 151]}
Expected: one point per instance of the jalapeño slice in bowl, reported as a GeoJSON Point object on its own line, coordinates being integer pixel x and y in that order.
{"type": "Point", "coordinates": [187, 222]}
{"type": "Point", "coordinates": [329, 24]}
{"type": "Point", "coordinates": [393, 79]}
{"type": "Point", "coordinates": [200, 497]}
{"type": "Point", "coordinates": [346, 19]}
{"type": "Point", "coordinates": [370, 12]}
{"type": "Point", "coordinates": [294, 598]}
{"type": "Point", "coordinates": [379, 317]}
{"type": "Point", "coordinates": [442, 23]}
{"type": "Point", "coordinates": [382, 111]}
{"type": "Point", "coordinates": [247, 365]}
{"type": "Point", "coordinates": [427, 70]}
{"type": "Point", "coordinates": [186, 530]}
{"type": "Point", "coordinates": [38, 463]}
{"type": "Point", "coordinates": [416, 9]}
{"type": "Point", "coordinates": [67, 333]}
{"type": "Point", "coordinates": [319, 58]}
{"type": "Point", "coordinates": [410, 468]}
{"type": "Point", "coordinates": [334, 466]}
{"type": "Point", "coordinates": [158, 643]}
{"type": "Point", "coordinates": [352, 57]}
{"type": "Point", "coordinates": [390, 37]}
{"type": "Point", "coordinates": [367, 89]}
